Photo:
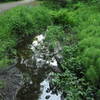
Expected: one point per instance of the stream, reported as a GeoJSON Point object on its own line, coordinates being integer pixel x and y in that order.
{"type": "Point", "coordinates": [30, 78]}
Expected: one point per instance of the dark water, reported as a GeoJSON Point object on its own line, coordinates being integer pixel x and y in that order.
{"type": "Point", "coordinates": [36, 79]}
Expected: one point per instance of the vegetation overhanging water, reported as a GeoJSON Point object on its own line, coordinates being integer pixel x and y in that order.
{"type": "Point", "coordinates": [70, 25]}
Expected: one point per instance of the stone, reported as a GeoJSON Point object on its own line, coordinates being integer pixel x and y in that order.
{"type": "Point", "coordinates": [47, 97]}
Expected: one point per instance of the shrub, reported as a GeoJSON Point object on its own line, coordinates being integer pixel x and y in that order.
{"type": "Point", "coordinates": [74, 88]}
{"type": "Point", "coordinates": [72, 80]}
{"type": "Point", "coordinates": [80, 64]}
{"type": "Point", "coordinates": [2, 84]}
{"type": "Point", "coordinates": [55, 3]}
{"type": "Point", "coordinates": [28, 20]}
{"type": "Point", "coordinates": [98, 95]}
{"type": "Point", "coordinates": [55, 35]}
{"type": "Point", "coordinates": [20, 22]}
{"type": "Point", "coordinates": [63, 17]}
{"type": "Point", "coordinates": [88, 31]}
{"type": "Point", "coordinates": [92, 75]}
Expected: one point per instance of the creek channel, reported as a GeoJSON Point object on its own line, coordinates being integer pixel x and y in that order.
{"type": "Point", "coordinates": [36, 64]}
{"type": "Point", "coordinates": [30, 78]}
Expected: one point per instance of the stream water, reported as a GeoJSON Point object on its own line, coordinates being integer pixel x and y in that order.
{"type": "Point", "coordinates": [36, 66]}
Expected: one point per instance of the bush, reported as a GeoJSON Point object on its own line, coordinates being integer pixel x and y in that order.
{"type": "Point", "coordinates": [72, 61]}
{"type": "Point", "coordinates": [63, 17]}
{"type": "Point", "coordinates": [28, 20]}
{"type": "Point", "coordinates": [72, 80]}
{"type": "Point", "coordinates": [55, 3]}
{"type": "Point", "coordinates": [81, 63]}
{"type": "Point", "coordinates": [89, 40]}
{"type": "Point", "coordinates": [55, 35]}
{"type": "Point", "coordinates": [19, 23]}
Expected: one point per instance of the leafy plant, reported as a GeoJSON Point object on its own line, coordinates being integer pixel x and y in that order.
{"type": "Point", "coordinates": [63, 17]}
{"type": "Point", "coordinates": [89, 45]}
{"type": "Point", "coordinates": [55, 3]}
{"type": "Point", "coordinates": [55, 35]}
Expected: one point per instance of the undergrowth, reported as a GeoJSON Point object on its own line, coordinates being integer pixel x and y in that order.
{"type": "Point", "coordinates": [81, 53]}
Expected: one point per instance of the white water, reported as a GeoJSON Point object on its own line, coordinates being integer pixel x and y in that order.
{"type": "Point", "coordinates": [37, 42]}
{"type": "Point", "coordinates": [44, 87]}
{"type": "Point", "coordinates": [52, 62]}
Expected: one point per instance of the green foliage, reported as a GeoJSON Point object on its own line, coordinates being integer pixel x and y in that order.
{"type": "Point", "coordinates": [18, 23]}
{"type": "Point", "coordinates": [55, 34]}
{"type": "Point", "coordinates": [57, 4]}
{"type": "Point", "coordinates": [92, 75]}
{"type": "Point", "coordinates": [28, 20]}
{"type": "Point", "coordinates": [72, 80]}
{"type": "Point", "coordinates": [74, 88]}
{"type": "Point", "coordinates": [2, 84]}
{"type": "Point", "coordinates": [98, 95]}
{"type": "Point", "coordinates": [4, 62]}
{"type": "Point", "coordinates": [80, 63]}
{"type": "Point", "coordinates": [50, 5]}
{"type": "Point", "coordinates": [63, 17]}
{"type": "Point", "coordinates": [54, 3]}
{"type": "Point", "coordinates": [89, 35]}
{"type": "Point", "coordinates": [72, 61]}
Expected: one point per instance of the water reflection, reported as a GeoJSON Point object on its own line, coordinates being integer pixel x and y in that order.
{"type": "Point", "coordinates": [36, 84]}
{"type": "Point", "coordinates": [31, 88]}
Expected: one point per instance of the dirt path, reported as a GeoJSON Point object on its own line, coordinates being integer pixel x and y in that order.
{"type": "Point", "coordinates": [6, 6]}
